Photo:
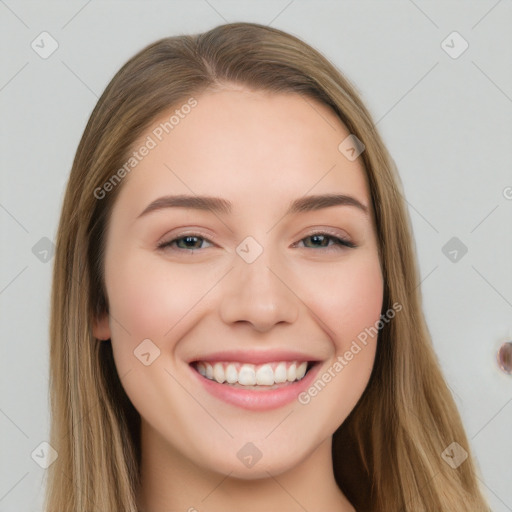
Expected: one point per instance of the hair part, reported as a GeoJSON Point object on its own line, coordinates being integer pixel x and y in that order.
{"type": "Point", "coordinates": [387, 453]}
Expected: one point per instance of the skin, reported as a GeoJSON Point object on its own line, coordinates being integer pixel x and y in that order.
{"type": "Point", "coordinates": [260, 151]}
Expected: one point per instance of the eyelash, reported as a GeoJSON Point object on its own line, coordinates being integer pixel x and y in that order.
{"type": "Point", "coordinates": [338, 241]}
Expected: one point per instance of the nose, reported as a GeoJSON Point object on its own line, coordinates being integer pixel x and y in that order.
{"type": "Point", "coordinates": [257, 293]}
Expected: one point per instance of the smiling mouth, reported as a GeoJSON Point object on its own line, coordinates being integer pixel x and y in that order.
{"type": "Point", "coordinates": [266, 376]}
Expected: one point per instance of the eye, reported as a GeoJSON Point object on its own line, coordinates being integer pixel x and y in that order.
{"type": "Point", "coordinates": [189, 242]}
{"type": "Point", "coordinates": [321, 240]}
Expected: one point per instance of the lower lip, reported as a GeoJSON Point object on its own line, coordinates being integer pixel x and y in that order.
{"type": "Point", "coordinates": [258, 400]}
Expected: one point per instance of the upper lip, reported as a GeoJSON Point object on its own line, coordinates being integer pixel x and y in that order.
{"type": "Point", "coordinates": [254, 356]}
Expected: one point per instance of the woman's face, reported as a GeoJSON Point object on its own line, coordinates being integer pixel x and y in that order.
{"type": "Point", "coordinates": [251, 285]}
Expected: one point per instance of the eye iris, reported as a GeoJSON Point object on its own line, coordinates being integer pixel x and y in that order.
{"type": "Point", "coordinates": [188, 240]}
{"type": "Point", "coordinates": [321, 238]}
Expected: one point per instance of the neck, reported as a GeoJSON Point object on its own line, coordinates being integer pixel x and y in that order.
{"type": "Point", "coordinates": [170, 481]}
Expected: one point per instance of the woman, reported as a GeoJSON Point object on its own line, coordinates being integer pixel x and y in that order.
{"type": "Point", "coordinates": [236, 321]}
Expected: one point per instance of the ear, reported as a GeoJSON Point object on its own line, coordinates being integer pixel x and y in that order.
{"type": "Point", "coordinates": [101, 327]}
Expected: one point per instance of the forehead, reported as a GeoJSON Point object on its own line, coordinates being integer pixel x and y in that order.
{"type": "Point", "coordinates": [248, 146]}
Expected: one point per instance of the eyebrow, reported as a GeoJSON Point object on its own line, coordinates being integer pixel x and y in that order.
{"type": "Point", "coordinates": [219, 205]}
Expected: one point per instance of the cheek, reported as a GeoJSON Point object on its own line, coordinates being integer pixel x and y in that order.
{"type": "Point", "coordinates": [349, 306]}
{"type": "Point", "coordinates": [151, 298]}
{"type": "Point", "coordinates": [350, 298]}
{"type": "Point", "coordinates": [136, 299]}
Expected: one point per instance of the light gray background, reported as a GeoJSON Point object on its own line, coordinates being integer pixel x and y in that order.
{"type": "Point", "coordinates": [446, 121]}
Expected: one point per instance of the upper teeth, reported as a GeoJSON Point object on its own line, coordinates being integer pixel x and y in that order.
{"type": "Point", "coordinates": [266, 374]}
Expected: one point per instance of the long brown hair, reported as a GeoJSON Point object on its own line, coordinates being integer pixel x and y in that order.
{"type": "Point", "coordinates": [387, 455]}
